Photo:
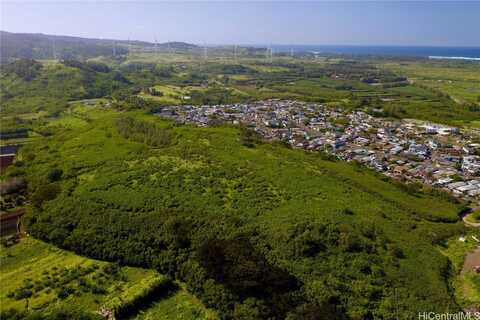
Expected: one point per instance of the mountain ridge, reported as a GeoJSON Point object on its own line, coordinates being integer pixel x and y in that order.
{"type": "Point", "coordinates": [45, 46]}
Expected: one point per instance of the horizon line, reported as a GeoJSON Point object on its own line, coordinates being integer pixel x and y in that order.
{"type": "Point", "coordinates": [256, 43]}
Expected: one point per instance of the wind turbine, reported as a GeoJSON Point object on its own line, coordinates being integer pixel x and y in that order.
{"type": "Point", "coordinates": [54, 50]}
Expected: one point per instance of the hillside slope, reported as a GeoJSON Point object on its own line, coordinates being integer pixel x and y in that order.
{"type": "Point", "coordinates": [254, 232]}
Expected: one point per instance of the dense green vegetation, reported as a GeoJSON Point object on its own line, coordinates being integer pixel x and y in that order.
{"type": "Point", "coordinates": [255, 231]}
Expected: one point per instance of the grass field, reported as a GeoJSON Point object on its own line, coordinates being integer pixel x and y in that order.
{"type": "Point", "coordinates": [45, 277]}
{"type": "Point", "coordinates": [460, 80]}
{"type": "Point", "coordinates": [181, 305]}
{"type": "Point", "coordinates": [68, 122]}
{"type": "Point", "coordinates": [171, 94]}
{"type": "Point", "coordinates": [216, 93]}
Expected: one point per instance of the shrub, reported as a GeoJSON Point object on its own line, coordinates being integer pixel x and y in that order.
{"type": "Point", "coordinates": [45, 193]}
{"type": "Point", "coordinates": [22, 294]}
{"type": "Point", "coordinates": [55, 175]}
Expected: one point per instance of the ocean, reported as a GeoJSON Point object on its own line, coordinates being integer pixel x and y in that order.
{"type": "Point", "coordinates": [468, 53]}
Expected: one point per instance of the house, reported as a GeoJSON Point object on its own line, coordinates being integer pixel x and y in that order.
{"type": "Point", "coordinates": [455, 185]}
{"type": "Point", "coordinates": [419, 150]}
{"type": "Point", "coordinates": [11, 222]}
{"type": "Point", "coordinates": [444, 181]}
{"type": "Point", "coordinates": [7, 154]}
{"type": "Point", "coordinates": [9, 149]}
{"type": "Point", "coordinates": [467, 187]}
{"type": "Point", "coordinates": [6, 160]}
{"type": "Point", "coordinates": [471, 165]}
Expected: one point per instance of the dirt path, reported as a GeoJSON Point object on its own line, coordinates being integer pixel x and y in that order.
{"type": "Point", "coordinates": [469, 213]}
{"type": "Point", "coordinates": [468, 223]}
{"type": "Point", "coordinates": [471, 260]}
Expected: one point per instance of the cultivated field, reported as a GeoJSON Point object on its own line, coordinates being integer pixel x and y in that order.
{"type": "Point", "coordinates": [38, 276]}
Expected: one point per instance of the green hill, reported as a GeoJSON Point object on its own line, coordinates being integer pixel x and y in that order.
{"type": "Point", "coordinates": [44, 46]}
{"type": "Point", "coordinates": [254, 232]}
{"type": "Point", "coordinates": [28, 86]}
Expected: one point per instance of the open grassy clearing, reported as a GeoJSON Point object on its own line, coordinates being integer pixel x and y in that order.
{"type": "Point", "coordinates": [215, 93]}
{"type": "Point", "coordinates": [169, 94]}
{"type": "Point", "coordinates": [179, 305]}
{"type": "Point", "coordinates": [69, 121]}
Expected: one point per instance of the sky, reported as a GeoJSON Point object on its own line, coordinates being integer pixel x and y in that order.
{"type": "Point", "coordinates": [425, 23]}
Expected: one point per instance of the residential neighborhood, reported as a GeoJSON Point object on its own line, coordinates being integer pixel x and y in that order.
{"type": "Point", "coordinates": [408, 150]}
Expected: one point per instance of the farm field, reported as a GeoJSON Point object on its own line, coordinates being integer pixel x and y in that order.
{"type": "Point", "coordinates": [460, 80]}
{"type": "Point", "coordinates": [168, 94]}
{"type": "Point", "coordinates": [40, 277]}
